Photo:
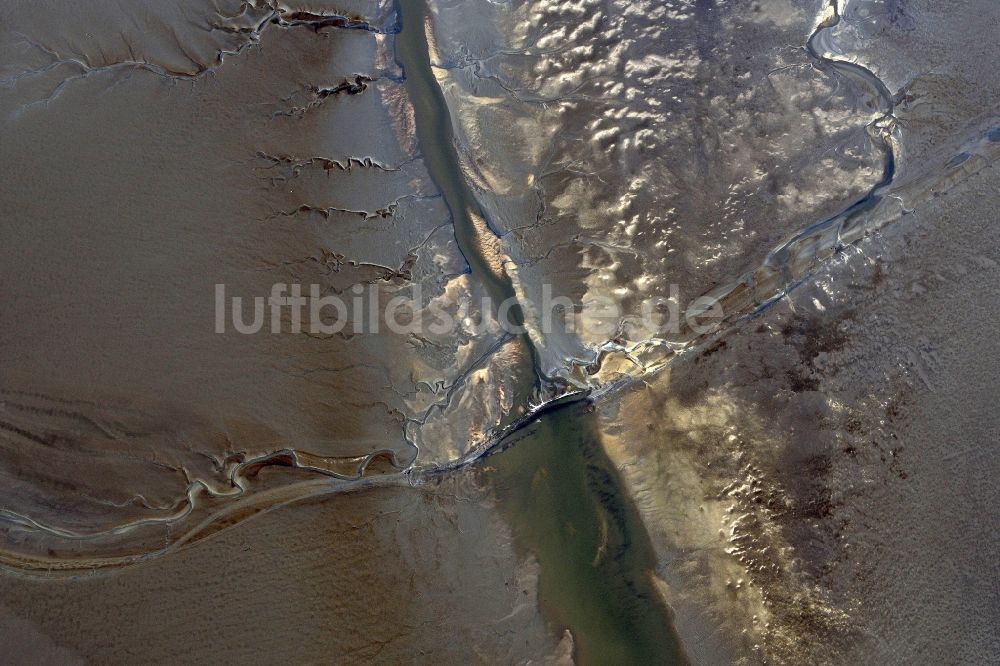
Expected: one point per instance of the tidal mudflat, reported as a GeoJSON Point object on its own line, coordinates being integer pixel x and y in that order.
{"type": "Point", "coordinates": [761, 432]}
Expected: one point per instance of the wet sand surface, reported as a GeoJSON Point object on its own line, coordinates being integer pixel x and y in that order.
{"type": "Point", "coordinates": [821, 485]}
{"type": "Point", "coordinates": [181, 447]}
{"type": "Point", "coordinates": [811, 480]}
{"type": "Point", "coordinates": [391, 576]}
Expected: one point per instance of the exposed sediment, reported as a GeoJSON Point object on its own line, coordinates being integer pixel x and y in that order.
{"type": "Point", "coordinates": [609, 149]}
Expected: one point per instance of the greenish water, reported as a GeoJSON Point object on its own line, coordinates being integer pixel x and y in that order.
{"type": "Point", "coordinates": [563, 499]}
{"type": "Point", "coordinates": [557, 489]}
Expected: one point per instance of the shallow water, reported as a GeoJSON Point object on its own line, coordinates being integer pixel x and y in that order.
{"type": "Point", "coordinates": [564, 501]}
